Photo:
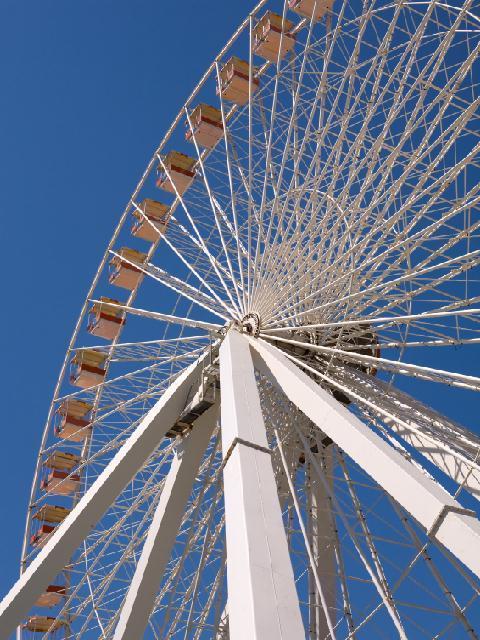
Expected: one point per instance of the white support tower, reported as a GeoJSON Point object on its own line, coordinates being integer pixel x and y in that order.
{"type": "Point", "coordinates": [262, 598]}
{"type": "Point", "coordinates": [164, 528]}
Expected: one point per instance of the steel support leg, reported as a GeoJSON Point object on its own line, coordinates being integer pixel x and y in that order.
{"type": "Point", "coordinates": [448, 445]}
{"type": "Point", "coordinates": [163, 531]}
{"type": "Point", "coordinates": [77, 525]}
{"type": "Point", "coordinates": [462, 472]}
{"type": "Point", "coordinates": [323, 547]}
{"type": "Point", "coordinates": [262, 598]}
{"type": "Point", "coordinates": [442, 516]}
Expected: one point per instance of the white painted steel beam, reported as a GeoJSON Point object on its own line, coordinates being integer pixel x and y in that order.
{"type": "Point", "coordinates": [463, 473]}
{"type": "Point", "coordinates": [164, 528]}
{"type": "Point", "coordinates": [322, 541]}
{"type": "Point", "coordinates": [262, 598]}
{"type": "Point", "coordinates": [116, 475]}
{"type": "Point", "coordinates": [434, 508]}
{"type": "Point", "coordinates": [450, 447]}
{"type": "Point", "coordinates": [439, 442]}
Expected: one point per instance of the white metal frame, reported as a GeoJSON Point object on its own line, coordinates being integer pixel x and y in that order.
{"type": "Point", "coordinates": [262, 598]}
{"type": "Point", "coordinates": [442, 516]}
{"type": "Point", "coordinates": [76, 526]}
{"type": "Point", "coordinates": [163, 530]}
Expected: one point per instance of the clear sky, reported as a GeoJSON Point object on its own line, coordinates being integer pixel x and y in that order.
{"type": "Point", "coordinates": [87, 90]}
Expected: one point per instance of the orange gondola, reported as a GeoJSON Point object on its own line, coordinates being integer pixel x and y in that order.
{"type": "Point", "coordinates": [207, 126]}
{"type": "Point", "coordinates": [74, 424]}
{"type": "Point", "coordinates": [151, 221]}
{"type": "Point", "coordinates": [43, 624]}
{"type": "Point", "coordinates": [269, 33]}
{"type": "Point", "coordinates": [53, 595]}
{"type": "Point", "coordinates": [177, 174]}
{"type": "Point", "coordinates": [88, 368]}
{"type": "Point", "coordinates": [105, 320]}
{"type": "Point", "coordinates": [125, 272]}
{"type": "Point", "coordinates": [235, 81]}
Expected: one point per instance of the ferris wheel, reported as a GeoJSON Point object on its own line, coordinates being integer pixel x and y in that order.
{"type": "Point", "coordinates": [255, 431]}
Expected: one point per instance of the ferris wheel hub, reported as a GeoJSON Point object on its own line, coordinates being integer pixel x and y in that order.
{"type": "Point", "coordinates": [251, 324]}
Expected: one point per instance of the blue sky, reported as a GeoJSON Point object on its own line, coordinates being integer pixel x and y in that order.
{"type": "Point", "coordinates": [88, 89]}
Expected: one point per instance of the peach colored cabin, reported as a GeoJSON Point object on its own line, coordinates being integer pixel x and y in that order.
{"type": "Point", "coordinates": [51, 513]}
{"type": "Point", "coordinates": [153, 222]}
{"type": "Point", "coordinates": [88, 368]}
{"type": "Point", "coordinates": [179, 174]}
{"type": "Point", "coordinates": [61, 483]}
{"type": "Point", "coordinates": [43, 624]}
{"type": "Point", "coordinates": [52, 596]}
{"type": "Point", "coordinates": [306, 8]}
{"type": "Point", "coordinates": [62, 460]}
{"type": "Point", "coordinates": [74, 424]}
{"type": "Point", "coordinates": [234, 81]}
{"type": "Point", "coordinates": [267, 36]}
{"type": "Point", "coordinates": [40, 538]}
{"type": "Point", "coordinates": [105, 321]}
{"type": "Point", "coordinates": [207, 126]}
{"type": "Point", "coordinates": [125, 274]}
